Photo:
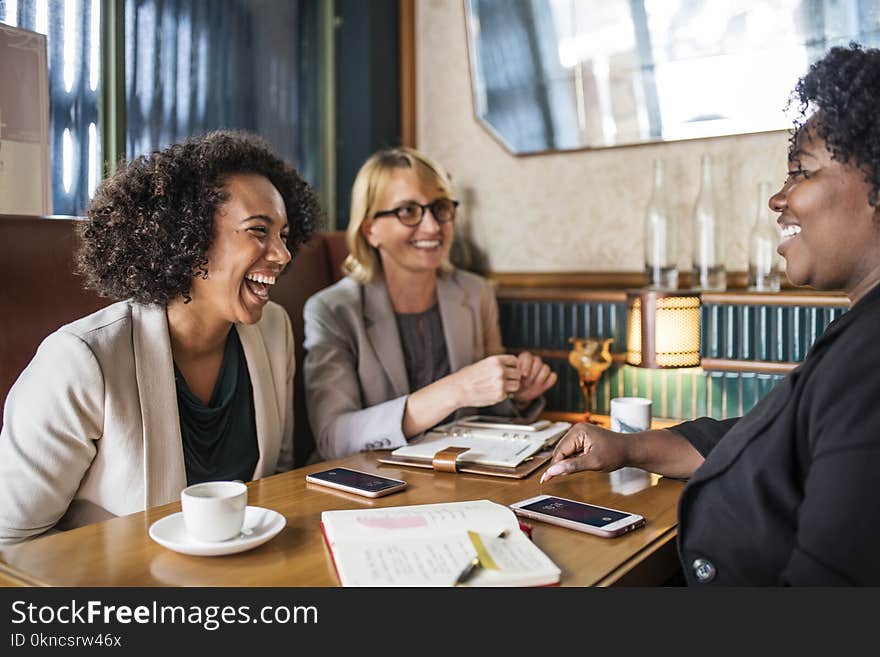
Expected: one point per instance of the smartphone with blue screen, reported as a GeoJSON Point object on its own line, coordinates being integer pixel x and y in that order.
{"type": "Point", "coordinates": [582, 517]}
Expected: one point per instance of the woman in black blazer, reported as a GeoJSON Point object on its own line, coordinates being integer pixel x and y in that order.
{"type": "Point", "coordinates": [790, 493]}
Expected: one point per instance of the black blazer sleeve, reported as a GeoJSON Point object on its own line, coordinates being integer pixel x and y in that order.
{"type": "Point", "coordinates": [704, 433]}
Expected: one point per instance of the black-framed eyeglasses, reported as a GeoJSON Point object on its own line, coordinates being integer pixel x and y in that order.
{"type": "Point", "coordinates": [411, 213]}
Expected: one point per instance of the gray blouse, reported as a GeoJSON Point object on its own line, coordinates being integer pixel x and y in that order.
{"type": "Point", "coordinates": [424, 346]}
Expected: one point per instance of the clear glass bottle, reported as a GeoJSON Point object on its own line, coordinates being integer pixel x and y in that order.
{"type": "Point", "coordinates": [661, 255]}
{"type": "Point", "coordinates": [707, 241]}
{"type": "Point", "coordinates": [764, 270]}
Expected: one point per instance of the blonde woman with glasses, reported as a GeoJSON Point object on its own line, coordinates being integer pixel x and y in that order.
{"type": "Point", "coordinates": [406, 341]}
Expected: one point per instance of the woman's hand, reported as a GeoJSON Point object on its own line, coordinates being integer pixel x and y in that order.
{"type": "Point", "coordinates": [487, 381]}
{"type": "Point", "coordinates": [537, 378]}
{"type": "Point", "coordinates": [588, 447]}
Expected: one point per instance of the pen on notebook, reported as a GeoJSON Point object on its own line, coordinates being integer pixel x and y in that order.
{"type": "Point", "coordinates": [474, 563]}
{"type": "Point", "coordinates": [468, 571]}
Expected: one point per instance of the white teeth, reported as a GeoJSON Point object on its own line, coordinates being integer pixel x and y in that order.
{"type": "Point", "coordinates": [790, 231]}
{"type": "Point", "coordinates": [260, 278]}
{"type": "Point", "coordinates": [426, 244]}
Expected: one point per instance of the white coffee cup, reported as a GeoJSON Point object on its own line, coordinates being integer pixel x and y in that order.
{"type": "Point", "coordinates": [630, 414]}
{"type": "Point", "coordinates": [214, 510]}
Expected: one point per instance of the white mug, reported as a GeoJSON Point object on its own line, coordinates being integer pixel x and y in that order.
{"type": "Point", "coordinates": [630, 414]}
{"type": "Point", "coordinates": [214, 510]}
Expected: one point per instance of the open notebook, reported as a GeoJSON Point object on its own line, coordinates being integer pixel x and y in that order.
{"type": "Point", "coordinates": [432, 544]}
{"type": "Point", "coordinates": [490, 447]}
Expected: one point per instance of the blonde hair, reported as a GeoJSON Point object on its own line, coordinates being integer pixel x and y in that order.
{"type": "Point", "coordinates": [363, 263]}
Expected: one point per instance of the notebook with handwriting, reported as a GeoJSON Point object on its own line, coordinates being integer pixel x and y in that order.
{"type": "Point", "coordinates": [435, 545]}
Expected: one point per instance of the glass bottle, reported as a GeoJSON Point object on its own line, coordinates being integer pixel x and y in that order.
{"type": "Point", "coordinates": [708, 245]}
{"type": "Point", "coordinates": [764, 271]}
{"type": "Point", "coordinates": [661, 257]}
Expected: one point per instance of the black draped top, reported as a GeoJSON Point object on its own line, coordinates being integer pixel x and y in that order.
{"type": "Point", "coordinates": [220, 438]}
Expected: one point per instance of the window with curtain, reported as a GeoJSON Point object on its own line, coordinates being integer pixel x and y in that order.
{"type": "Point", "coordinates": [197, 65]}
{"type": "Point", "coordinates": [72, 29]}
{"type": "Point", "coordinates": [190, 66]}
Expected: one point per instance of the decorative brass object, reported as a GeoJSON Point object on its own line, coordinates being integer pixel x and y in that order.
{"type": "Point", "coordinates": [590, 357]}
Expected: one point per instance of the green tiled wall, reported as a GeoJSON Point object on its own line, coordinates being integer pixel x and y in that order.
{"type": "Point", "coordinates": [549, 324]}
{"type": "Point", "coordinates": [767, 333]}
{"type": "Point", "coordinates": [730, 331]}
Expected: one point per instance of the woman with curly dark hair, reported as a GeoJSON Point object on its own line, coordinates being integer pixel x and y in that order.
{"type": "Point", "coordinates": [189, 377]}
{"type": "Point", "coordinates": [788, 493]}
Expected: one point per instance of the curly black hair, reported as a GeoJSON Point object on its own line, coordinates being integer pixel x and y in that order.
{"type": "Point", "coordinates": [149, 226]}
{"type": "Point", "coordinates": [842, 92]}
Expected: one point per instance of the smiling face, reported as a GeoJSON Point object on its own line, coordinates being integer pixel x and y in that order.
{"type": "Point", "coordinates": [830, 233]}
{"type": "Point", "coordinates": [403, 249]}
{"type": "Point", "coordinates": [248, 252]}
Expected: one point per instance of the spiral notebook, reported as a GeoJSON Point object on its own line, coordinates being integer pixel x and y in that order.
{"type": "Point", "coordinates": [433, 545]}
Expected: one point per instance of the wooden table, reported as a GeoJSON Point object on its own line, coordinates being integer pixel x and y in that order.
{"type": "Point", "coordinates": [119, 552]}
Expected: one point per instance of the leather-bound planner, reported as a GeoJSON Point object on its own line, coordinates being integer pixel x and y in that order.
{"type": "Point", "coordinates": [497, 452]}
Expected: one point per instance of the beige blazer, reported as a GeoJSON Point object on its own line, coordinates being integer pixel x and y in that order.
{"type": "Point", "coordinates": [91, 428]}
{"type": "Point", "coordinates": [354, 369]}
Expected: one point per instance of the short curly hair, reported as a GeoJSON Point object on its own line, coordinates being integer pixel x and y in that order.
{"type": "Point", "coordinates": [842, 92]}
{"type": "Point", "coordinates": [150, 225]}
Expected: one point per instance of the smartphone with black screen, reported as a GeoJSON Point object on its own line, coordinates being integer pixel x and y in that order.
{"type": "Point", "coordinates": [355, 481]}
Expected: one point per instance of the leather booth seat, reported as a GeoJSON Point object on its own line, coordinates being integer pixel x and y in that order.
{"type": "Point", "coordinates": [40, 292]}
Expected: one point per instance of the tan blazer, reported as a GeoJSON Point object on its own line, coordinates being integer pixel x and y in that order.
{"type": "Point", "coordinates": [91, 427]}
{"type": "Point", "coordinates": [355, 375]}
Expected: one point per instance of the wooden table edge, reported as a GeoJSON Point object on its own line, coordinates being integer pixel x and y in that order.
{"type": "Point", "coordinates": [630, 572]}
{"type": "Point", "coordinates": [10, 577]}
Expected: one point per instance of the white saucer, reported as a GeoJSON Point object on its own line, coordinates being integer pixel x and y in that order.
{"type": "Point", "coordinates": [260, 525]}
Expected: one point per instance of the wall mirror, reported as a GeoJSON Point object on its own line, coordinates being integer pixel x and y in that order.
{"type": "Point", "coordinates": [553, 75]}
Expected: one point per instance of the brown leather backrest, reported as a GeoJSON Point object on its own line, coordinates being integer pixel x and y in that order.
{"type": "Point", "coordinates": [308, 273]}
{"type": "Point", "coordinates": [39, 292]}
{"type": "Point", "coordinates": [337, 251]}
